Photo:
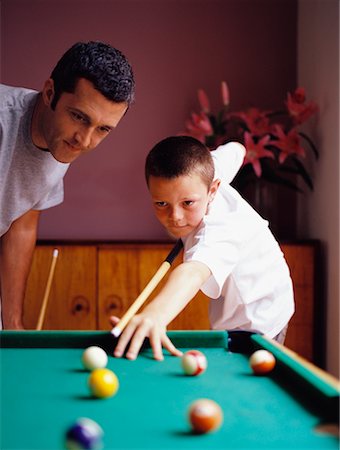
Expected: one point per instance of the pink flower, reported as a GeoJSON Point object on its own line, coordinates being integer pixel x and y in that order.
{"type": "Point", "coordinates": [199, 126]}
{"type": "Point", "coordinates": [204, 101]}
{"type": "Point", "coordinates": [256, 121]}
{"type": "Point", "coordinates": [225, 93]}
{"type": "Point", "coordinates": [297, 107]}
{"type": "Point", "coordinates": [289, 144]}
{"type": "Point", "coordinates": [256, 151]}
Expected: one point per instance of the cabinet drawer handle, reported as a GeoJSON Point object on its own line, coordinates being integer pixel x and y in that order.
{"type": "Point", "coordinates": [113, 305]}
{"type": "Point", "coordinates": [80, 306]}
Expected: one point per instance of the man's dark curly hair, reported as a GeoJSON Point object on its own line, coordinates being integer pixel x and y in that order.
{"type": "Point", "coordinates": [106, 67]}
{"type": "Point", "coordinates": [176, 156]}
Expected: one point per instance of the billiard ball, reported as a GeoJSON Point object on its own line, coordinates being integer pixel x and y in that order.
{"type": "Point", "coordinates": [94, 358]}
{"type": "Point", "coordinates": [194, 362]}
{"type": "Point", "coordinates": [262, 362]}
{"type": "Point", "coordinates": [103, 383]}
{"type": "Point", "coordinates": [205, 416]}
{"type": "Point", "coordinates": [84, 434]}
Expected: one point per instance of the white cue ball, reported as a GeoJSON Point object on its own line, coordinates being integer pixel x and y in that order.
{"type": "Point", "coordinates": [94, 358]}
{"type": "Point", "coordinates": [194, 362]}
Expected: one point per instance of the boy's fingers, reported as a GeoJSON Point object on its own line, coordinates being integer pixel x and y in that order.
{"type": "Point", "coordinates": [114, 320]}
{"type": "Point", "coordinates": [140, 333]}
{"type": "Point", "coordinates": [170, 346]}
{"type": "Point", "coordinates": [124, 339]}
{"type": "Point", "coordinates": [156, 345]}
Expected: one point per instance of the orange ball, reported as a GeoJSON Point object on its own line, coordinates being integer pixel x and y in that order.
{"type": "Point", "coordinates": [103, 383]}
{"type": "Point", "coordinates": [205, 416]}
{"type": "Point", "coordinates": [262, 362]}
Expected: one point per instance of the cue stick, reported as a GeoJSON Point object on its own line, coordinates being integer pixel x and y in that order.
{"type": "Point", "coordinates": [163, 269]}
{"type": "Point", "coordinates": [47, 290]}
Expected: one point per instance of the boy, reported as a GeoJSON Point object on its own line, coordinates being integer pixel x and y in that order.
{"type": "Point", "coordinates": [229, 251]}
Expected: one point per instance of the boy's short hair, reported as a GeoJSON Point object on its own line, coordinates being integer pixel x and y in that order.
{"type": "Point", "coordinates": [106, 67]}
{"type": "Point", "coordinates": [180, 155]}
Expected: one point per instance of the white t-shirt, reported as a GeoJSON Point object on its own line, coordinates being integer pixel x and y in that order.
{"type": "Point", "coordinates": [250, 284]}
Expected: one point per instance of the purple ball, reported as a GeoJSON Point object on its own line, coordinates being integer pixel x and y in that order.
{"type": "Point", "coordinates": [84, 434]}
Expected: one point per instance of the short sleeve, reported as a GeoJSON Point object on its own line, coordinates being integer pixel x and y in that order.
{"type": "Point", "coordinates": [53, 198]}
{"type": "Point", "coordinates": [228, 159]}
{"type": "Point", "coordinates": [218, 246]}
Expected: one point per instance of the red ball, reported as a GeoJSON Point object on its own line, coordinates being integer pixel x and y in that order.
{"type": "Point", "coordinates": [205, 416]}
{"type": "Point", "coordinates": [262, 362]}
{"type": "Point", "coordinates": [194, 362]}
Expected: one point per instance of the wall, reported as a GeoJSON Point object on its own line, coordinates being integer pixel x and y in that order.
{"type": "Point", "coordinates": [175, 48]}
{"type": "Point", "coordinates": [318, 71]}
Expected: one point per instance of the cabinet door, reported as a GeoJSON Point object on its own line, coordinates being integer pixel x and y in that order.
{"type": "Point", "coordinates": [72, 299]}
{"type": "Point", "coordinates": [301, 262]}
{"type": "Point", "coordinates": [125, 270]}
{"type": "Point", "coordinates": [118, 281]}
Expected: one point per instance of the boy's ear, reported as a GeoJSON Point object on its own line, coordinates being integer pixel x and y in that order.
{"type": "Point", "coordinates": [48, 92]}
{"type": "Point", "coordinates": [213, 189]}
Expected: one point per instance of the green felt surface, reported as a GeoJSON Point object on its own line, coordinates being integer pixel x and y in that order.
{"type": "Point", "coordinates": [43, 390]}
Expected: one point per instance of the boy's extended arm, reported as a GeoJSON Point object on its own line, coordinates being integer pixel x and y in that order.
{"type": "Point", "coordinates": [182, 285]}
{"type": "Point", "coordinates": [16, 252]}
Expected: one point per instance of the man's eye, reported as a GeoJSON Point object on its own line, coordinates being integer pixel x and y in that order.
{"type": "Point", "coordinates": [161, 204]}
{"type": "Point", "coordinates": [188, 203]}
{"type": "Point", "coordinates": [105, 130]}
{"type": "Point", "coordinates": [78, 116]}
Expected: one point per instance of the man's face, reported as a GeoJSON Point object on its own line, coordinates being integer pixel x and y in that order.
{"type": "Point", "coordinates": [181, 203]}
{"type": "Point", "coordinates": [79, 122]}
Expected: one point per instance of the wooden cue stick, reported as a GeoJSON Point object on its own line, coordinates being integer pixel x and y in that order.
{"type": "Point", "coordinates": [47, 290]}
{"type": "Point", "coordinates": [163, 269]}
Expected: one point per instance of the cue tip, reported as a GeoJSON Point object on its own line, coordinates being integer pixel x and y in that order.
{"type": "Point", "coordinates": [55, 253]}
{"type": "Point", "coordinates": [116, 331]}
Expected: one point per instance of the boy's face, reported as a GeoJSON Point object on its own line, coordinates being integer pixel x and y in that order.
{"type": "Point", "coordinates": [181, 203]}
{"type": "Point", "coordinates": [79, 122]}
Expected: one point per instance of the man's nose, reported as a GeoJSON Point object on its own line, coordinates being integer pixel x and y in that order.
{"type": "Point", "coordinates": [84, 138]}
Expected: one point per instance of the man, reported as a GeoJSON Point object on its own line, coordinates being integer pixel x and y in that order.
{"type": "Point", "coordinates": [41, 133]}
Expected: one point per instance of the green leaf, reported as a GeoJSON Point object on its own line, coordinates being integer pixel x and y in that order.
{"type": "Point", "coordinates": [303, 172]}
{"type": "Point", "coordinates": [311, 143]}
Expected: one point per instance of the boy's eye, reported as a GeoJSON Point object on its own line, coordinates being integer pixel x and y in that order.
{"type": "Point", "coordinates": [188, 203]}
{"type": "Point", "coordinates": [161, 204]}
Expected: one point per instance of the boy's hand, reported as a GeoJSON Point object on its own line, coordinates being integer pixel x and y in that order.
{"type": "Point", "coordinates": [141, 326]}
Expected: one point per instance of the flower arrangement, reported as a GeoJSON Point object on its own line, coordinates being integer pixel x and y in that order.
{"type": "Point", "coordinates": [275, 147]}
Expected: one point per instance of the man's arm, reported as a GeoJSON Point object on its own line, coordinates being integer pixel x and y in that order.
{"type": "Point", "coordinates": [182, 285]}
{"type": "Point", "coordinates": [16, 253]}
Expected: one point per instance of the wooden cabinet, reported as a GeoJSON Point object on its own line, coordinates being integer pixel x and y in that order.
{"type": "Point", "coordinates": [304, 335]}
{"type": "Point", "coordinates": [94, 281]}
{"type": "Point", "coordinates": [73, 297]}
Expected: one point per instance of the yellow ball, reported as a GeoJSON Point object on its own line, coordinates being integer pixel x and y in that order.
{"type": "Point", "coordinates": [103, 383]}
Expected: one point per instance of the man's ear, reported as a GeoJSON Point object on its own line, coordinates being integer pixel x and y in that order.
{"type": "Point", "coordinates": [213, 189]}
{"type": "Point", "coordinates": [48, 92]}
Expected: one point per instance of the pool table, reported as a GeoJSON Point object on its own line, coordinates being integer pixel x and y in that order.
{"type": "Point", "coordinates": [44, 390]}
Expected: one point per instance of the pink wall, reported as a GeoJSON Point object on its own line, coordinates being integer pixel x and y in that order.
{"type": "Point", "coordinates": [175, 47]}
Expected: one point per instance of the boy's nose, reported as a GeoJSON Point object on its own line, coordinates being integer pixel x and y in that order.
{"type": "Point", "coordinates": [176, 214]}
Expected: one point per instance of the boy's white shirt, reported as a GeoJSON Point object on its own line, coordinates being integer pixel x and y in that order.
{"type": "Point", "coordinates": [250, 283]}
